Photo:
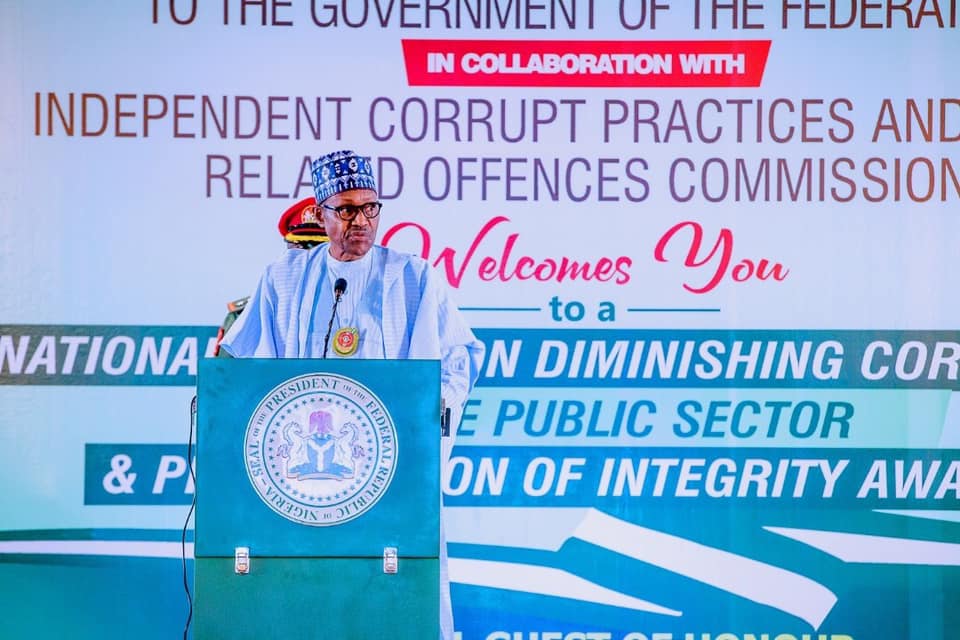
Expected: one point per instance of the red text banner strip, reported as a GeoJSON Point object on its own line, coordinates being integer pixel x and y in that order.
{"type": "Point", "coordinates": [585, 63]}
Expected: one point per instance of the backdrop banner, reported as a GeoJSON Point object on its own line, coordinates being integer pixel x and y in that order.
{"type": "Point", "coordinates": [709, 245]}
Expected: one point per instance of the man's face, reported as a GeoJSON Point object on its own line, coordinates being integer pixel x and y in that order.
{"type": "Point", "coordinates": [350, 240]}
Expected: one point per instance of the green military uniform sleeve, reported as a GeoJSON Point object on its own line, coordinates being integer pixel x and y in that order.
{"type": "Point", "coordinates": [234, 309]}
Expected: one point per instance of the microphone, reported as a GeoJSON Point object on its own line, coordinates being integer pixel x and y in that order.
{"type": "Point", "coordinates": [339, 288]}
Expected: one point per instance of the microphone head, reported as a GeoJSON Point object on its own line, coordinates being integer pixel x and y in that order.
{"type": "Point", "coordinates": [340, 287]}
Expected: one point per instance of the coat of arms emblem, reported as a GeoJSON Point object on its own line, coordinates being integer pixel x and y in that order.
{"type": "Point", "coordinates": [320, 449]}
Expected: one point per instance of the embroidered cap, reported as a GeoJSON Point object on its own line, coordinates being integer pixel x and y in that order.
{"type": "Point", "coordinates": [341, 171]}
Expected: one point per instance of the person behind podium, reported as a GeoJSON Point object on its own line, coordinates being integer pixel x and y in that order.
{"type": "Point", "coordinates": [394, 305]}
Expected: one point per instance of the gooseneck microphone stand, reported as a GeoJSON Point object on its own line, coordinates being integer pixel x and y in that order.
{"type": "Point", "coordinates": [339, 288]}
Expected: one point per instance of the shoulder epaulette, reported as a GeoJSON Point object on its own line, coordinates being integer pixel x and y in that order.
{"type": "Point", "coordinates": [237, 305]}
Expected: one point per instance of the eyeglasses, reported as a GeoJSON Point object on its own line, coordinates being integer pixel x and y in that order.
{"type": "Point", "coordinates": [348, 212]}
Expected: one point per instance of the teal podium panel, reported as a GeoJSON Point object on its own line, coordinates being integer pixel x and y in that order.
{"type": "Point", "coordinates": [316, 471]}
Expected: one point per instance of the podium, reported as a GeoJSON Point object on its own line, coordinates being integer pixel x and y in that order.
{"type": "Point", "coordinates": [318, 500]}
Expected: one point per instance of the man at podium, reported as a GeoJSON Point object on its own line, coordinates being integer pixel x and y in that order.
{"type": "Point", "coordinates": [352, 298]}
